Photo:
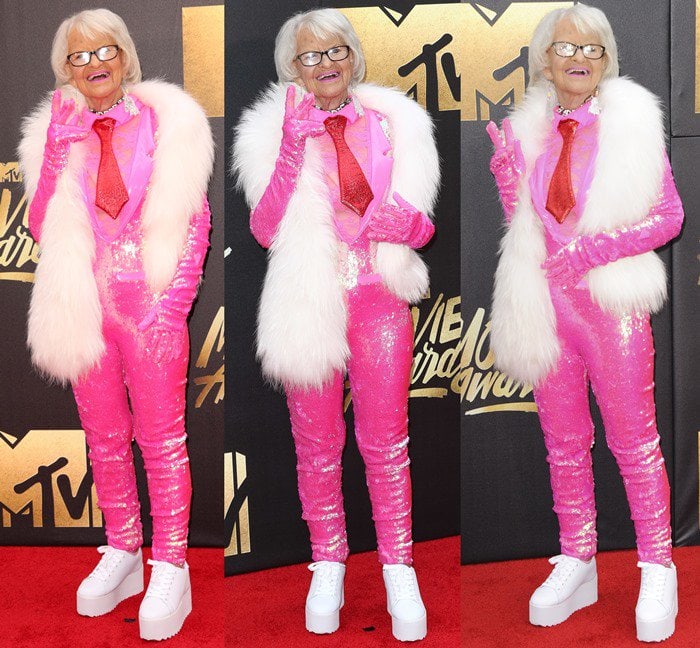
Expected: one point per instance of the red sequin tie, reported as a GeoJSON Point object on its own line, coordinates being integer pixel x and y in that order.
{"type": "Point", "coordinates": [110, 192]}
{"type": "Point", "coordinates": [560, 198]}
{"type": "Point", "coordinates": [355, 191]}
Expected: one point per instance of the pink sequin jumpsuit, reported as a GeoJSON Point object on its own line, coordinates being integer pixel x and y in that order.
{"type": "Point", "coordinates": [616, 355]}
{"type": "Point", "coordinates": [135, 392]}
{"type": "Point", "coordinates": [380, 337]}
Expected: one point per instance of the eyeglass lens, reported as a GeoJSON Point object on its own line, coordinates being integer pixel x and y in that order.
{"type": "Point", "coordinates": [309, 59]}
{"type": "Point", "coordinates": [590, 51]}
{"type": "Point", "coordinates": [104, 53]}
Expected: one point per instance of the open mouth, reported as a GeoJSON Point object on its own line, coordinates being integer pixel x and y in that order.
{"type": "Point", "coordinates": [578, 72]}
{"type": "Point", "coordinates": [328, 76]}
{"type": "Point", "coordinates": [98, 76]}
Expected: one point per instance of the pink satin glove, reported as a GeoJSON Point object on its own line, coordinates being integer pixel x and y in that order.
{"type": "Point", "coordinates": [63, 130]}
{"type": "Point", "coordinates": [168, 317]}
{"type": "Point", "coordinates": [507, 165]}
{"type": "Point", "coordinates": [296, 128]}
{"type": "Point", "coordinates": [400, 223]}
{"type": "Point", "coordinates": [568, 265]}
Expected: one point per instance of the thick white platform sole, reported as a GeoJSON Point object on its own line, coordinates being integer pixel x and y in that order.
{"type": "Point", "coordinates": [586, 594]}
{"type": "Point", "coordinates": [656, 630]}
{"type": "Point", "coordinates": [97, 606]}
{"type": "Point", "coordinates": [159, 629]}
{"type": "Point", "coordinates": [409, 630]}
{"type": "Point", "coordinates": [324, 623]}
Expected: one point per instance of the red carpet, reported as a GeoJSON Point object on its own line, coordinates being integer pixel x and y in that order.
{"type": "Point", "coordinates": [495, 603]}
{"type": "Point", "coordinates": [265, 609]}
{"type": "Point", "coordinates": [38, 602]}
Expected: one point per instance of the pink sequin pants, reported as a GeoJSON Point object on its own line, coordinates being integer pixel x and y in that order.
{"type": "Point", "coordinates": [156, 420]}
{"type": "Point", "coordinates": [380, 336]}
{"type": "Point", "coordinates": [617, 356]}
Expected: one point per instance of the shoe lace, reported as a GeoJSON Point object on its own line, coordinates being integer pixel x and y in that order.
{"type": "Point", "coordinates": [108, 563]}
{"type": "Point", "coordinates": [162, 578]}
{"type": "Point", "coordinates": [325, 578]}
{"type": "Point", "coordinates": [653, 580]}
{"type": "Point", "coordinates": [402, 583]}
{"type": "Point", "coordinates": [564, 567]}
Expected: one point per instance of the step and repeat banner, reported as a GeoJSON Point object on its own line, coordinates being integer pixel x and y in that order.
{"type": "Point", "coordinates": [409, 46]}
{"type": "Point", "coordinates": [685, 272]}
{"type": "Point", "coordinates": [46, 491]}
{"type": "Point", "coordinates": [506, 500]}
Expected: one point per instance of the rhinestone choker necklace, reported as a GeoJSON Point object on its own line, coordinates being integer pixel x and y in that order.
{"type": "Point", "coordinates": [335, 110]}
{"type": "Point", "coordinates": [106, 110]}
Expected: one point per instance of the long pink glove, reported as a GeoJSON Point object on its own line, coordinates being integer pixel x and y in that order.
{"type": "Point", "coordinates": [63, 130]}
{"type": "Point", "coordinates": [507, 165]}
{"type": "Point", "coordinates": [165, 321]}
{"type": "Point", "coordinates": [400, 223]}
{"type": "Point", "coordinates": [266, 217]}
{"type": "Point", "coordinates": [567, 266]}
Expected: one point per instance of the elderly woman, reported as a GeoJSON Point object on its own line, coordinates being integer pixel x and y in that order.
{"type": "Point", "coordinates": [340, 182]}
{"type": "Point", "coordinates": [123, 229]}
{"type": "Point", "coordinates": [588, 194]}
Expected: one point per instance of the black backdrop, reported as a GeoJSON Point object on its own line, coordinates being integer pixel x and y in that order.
{"type": "Point", "coordinates": [506, 499]}
{"type": "Point", "coordinates": [263, 523]}
{"type": "Point", "coordinates": [45, 484]}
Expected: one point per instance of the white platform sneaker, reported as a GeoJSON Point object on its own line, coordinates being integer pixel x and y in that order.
{"type": "Point", "coordinates": [657, 605]}
{"type": "Point", "coordinates": [167, 603]}
{"type": "Point", "coordinates": [404, 604]}
{"type": "Point", "coordinates": [326, 596]}
{"type": "Point", "coordinates": [572, 585]}
{"type": "Point", "coordinates": [118, 575]}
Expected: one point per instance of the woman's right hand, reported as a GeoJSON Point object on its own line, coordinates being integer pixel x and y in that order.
{"type": "Point", "coordinates": [64, 129]}
{"type": "Point", "coordinates": [65, 126]}
{"type": "Point", "coordinates": [507, 151]}
{"type": "Point", "coordinates": [297, 126]}
{"type": "Point", "coordinates": [507, 165]}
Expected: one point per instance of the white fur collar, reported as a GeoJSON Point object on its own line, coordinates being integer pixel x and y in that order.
{"type": "Point", "coordinates": [627, 178]}
{"type": "Point", "coordinates": [301, 324]}
{"type": "Point", "coordinates": [66, 342]}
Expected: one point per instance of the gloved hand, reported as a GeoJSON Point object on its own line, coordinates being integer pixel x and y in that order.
{"type": "Point", "coordinates": [296, 128]}
{"type": "Point", "coordinates": [400, 223]}
{"type": "Point", "coordinates": [168, 316]}
{"type": "Point", "coordinates": [64, 129]}
{"type": "Point", "coordinates": [507, 165]}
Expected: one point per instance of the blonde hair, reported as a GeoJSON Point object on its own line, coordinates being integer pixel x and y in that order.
{"type": "Point", "coordinates": [90, 23]}
{"type": "Point", "coordinates": [585, 19]}
{"type": "Point", "coordinates": [322, 23]}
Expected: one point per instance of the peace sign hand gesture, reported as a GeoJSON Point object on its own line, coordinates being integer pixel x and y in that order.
{"type": "Point", "coordinates": [507, 165]}
{"type": "Point", "coordinates": [507, 149]}
{"type": "Point", "coordinates": [297, 126]}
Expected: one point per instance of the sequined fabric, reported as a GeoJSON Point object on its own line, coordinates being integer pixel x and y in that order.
{"type": "Point", "coordinates": [617, 356]}
{"type": "Point", "coordinates": [380, 335]}
{"type": "Point", "coordinates": [133, 394]}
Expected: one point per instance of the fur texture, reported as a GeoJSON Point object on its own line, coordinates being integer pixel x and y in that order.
{"type": "Point", "coordinates": [65, 320]}
{"type": "Point", "coordinates": [627, 177]}
{"type": "Point", "coordinates": [302, 324]}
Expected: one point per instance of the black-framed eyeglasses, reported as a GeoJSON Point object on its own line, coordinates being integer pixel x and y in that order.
{"type": "Point", "coordinates": [104, 53]}
{"type": "Point", "coordinates": [337, 53]}
{"type": "Point", "coordinates": [567, 50]}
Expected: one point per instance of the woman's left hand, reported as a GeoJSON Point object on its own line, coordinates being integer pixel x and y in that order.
{"type": "Point", "coordinates": [400, 223]}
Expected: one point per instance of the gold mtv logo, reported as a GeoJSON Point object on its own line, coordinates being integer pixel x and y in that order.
{"type": "Point", "coordinates": [44, 481]}
{"type": "Point", "coordinates": [461, 56]}
{"type": "Point", "coordinates": [213, 345]}
{"type": "Point", "coordinates": [236, 504]}
{"type": "Point", "coordinates": [9, 172]}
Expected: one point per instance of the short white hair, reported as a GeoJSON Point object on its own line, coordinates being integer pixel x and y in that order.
{"type": "Point", "coordinates": [322, 23]}
{"type": "Point", "coordinates": [91, 23]}
{"type": "Point", "coordinates": [585, 19]}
